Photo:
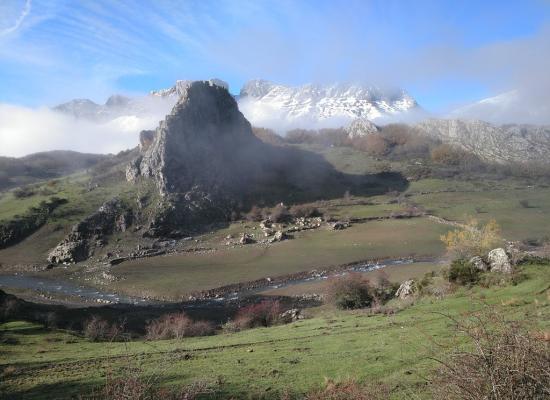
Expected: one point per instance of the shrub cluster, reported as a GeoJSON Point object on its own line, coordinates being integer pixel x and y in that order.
{"type": "Point", "coordinates": [177, 326]}
{"type": "Point", "coordinates": [500, 361]}
{"type": "Point", "coordinates": [463, 272]}
{"type": "Point", "coordinates": [97, 329]}
{"type": "Point", "coordinates": [265, 313]}
{"type": "Point", "coordinates": [351, 291]}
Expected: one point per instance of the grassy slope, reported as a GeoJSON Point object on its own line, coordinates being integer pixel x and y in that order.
{"type": "Point", "coordinates": [337, 345]}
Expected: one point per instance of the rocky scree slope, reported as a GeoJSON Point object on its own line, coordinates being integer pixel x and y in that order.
{"type": "Point", "coordinates": [501, 144]}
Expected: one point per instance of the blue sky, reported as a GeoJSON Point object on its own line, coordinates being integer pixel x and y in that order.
{"type": "Point", "coordinates": [445, 53]}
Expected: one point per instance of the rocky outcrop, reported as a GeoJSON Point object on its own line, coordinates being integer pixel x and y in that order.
{"type": "Point", "coordinates": [505, 143]}
{"type": "Point", "coordinates": [203, 157]}
{"type": "Point", "coordinates": [202, 142]}
{"type": "Point", "coordinates": [361, 128]}
{"type": "Point", "coordinates": [406, 289]}
{"type": "Point", "coordinates": [478, 262]}
{"type": "Point", "coordinates": [79, 244]}
{"type": "Point", "coordinates": [246, 239]}
{"type": "Point", "coordinates": [499, 261]}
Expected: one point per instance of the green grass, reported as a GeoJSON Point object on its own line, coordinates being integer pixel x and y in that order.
{"type": "Point", "coordinates": [175, 275]}
{"type": "Point", "coordinates": [260, 363]}
{"type": "Point", "coordinates": [516, 221]}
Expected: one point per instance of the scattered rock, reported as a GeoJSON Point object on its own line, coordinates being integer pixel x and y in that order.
{"type": "Point", "coordinates": [478, 262]}
{"type": "Point", "coordinates": [246, 239]}
{"type": "Point", "coordinates": [279, 236]}
{"type": "Point", "coordinates": [406, 289]}
{"type": "Point", "coordinates": [337, 226]}
{"type": "Point", "coordinates": [291, 315]}
{"type": "Point", "coordinates": [499, 261]}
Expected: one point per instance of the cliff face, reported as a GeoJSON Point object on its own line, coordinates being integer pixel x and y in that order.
{"type": "Point", "coordinates": [502, 144]}
{"type": "Point", "coordinates": [205, 141]}
{"type": "Point", "coordinates": [203, 158]}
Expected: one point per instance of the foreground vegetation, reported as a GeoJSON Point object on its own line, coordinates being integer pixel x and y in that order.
{"type": "Point", "coordinates": [398, 347]}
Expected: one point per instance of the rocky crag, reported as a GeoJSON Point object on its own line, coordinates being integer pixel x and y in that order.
{"type": "Point", "coordinates": [203, 158]}
{"type": "Point", "coordinates": [91, 233]}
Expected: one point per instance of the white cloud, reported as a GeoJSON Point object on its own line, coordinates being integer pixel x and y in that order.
{"type": "Point", "coordinates": [25, 130]}
{"type": "Point", "coordinates": [19, 20]}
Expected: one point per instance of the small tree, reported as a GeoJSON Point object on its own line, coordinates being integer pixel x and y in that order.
{"type": "Point", "coordinates": [473, 240]}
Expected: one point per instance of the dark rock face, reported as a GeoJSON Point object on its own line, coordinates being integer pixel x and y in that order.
{"type": "Point", "coordinates": [79, 244]}
{"type": "Point", "coordinates": [202, 158]}
{"type": "Point", "coordinates": [205, 141]}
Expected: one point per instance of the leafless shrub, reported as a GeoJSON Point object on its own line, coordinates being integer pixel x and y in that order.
{"type": "Point", "coordinates": [305, 210]}
{"type": "Point", "coordinates": [500, 360]}
{"type": "Point", "coordinates": [131, 382]}
{"type": "Point", "coordinates": [350, 390]}
{"type": "Point", "coordinates": [255, 214]}
{"type": "Point", "coordinates": [279, 213]}
{"type": "Point", "coordinates": [177, 326]}
{"type": "Point", "coordinates": [265, 313]}
{"type": "Point", "coordinates": [97, 329]}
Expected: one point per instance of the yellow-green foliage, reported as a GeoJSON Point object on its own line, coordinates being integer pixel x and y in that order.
{"type": "Point", "coordinates": [474, 239]}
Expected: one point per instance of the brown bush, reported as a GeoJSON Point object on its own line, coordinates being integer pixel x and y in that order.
{"type": "Point", "coordinates": [499, 361]}
{"type": "Point", "coordinates": [265, 313]}
{"type": "Point", "coordinates": [177, 326]}
{"type": "Point", "coordinates": [255, 214]}
{"type": "Point", "coordinates": [305, 210]}
{"type": "Point", "coordinates": [97, 329]}
{"type": "Point", "coordinates": [350, 390]}
{"type": "Point", "coordinates": [279, 213]}
{"type": "Point", "coordinates": [374, 144]}
{"type": "Point", "coordinates": [448, 155]}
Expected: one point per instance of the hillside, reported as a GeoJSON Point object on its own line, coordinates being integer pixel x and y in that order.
{"type": "Point", "coordinates": [41, 166]}
{"type": "Point", "coordinates": [397, 349]}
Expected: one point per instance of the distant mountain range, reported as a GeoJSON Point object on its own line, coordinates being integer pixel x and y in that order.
{"type": "Point", "coordinates": [281, 108]}
{"type": "Point", "coordinates": [265, 104]}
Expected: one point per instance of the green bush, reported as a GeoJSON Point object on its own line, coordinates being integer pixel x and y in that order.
{"type": "Point", "coordinates": [463, 272]}
{"type": "Point", "coordinates": [351, 292]}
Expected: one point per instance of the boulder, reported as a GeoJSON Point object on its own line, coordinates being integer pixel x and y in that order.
{"type": "Point", "coordinates": [406, 289]}
{"type": "Point", "coordinates": [338, 226]}
{"type": "Point", "coordinates": [478, 262]}
{"type": "Point", "coordinates": [279, 236]}
{"type": "Point", "coordinates": [246, 239]}
{"type": "Point", "coordinates": [499, 261]}
{"type": "Point", "coordinates": [71, 250]}
{"type": "Point", "coordinates": [291, 315]}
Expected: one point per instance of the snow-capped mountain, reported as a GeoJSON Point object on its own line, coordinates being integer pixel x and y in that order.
{"type": "Point", "coordinates": [117, 106]}
{"type": "Point", "coordinates": [264, 104]}
{"type": "Point", "coordinates": [311, 106]}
